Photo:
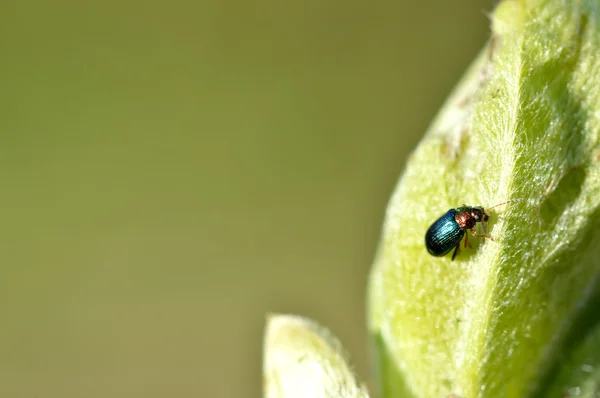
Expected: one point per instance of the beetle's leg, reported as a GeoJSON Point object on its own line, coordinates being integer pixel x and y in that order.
{"type": "Point", "coordinates": [467, 240]}
{"type": "Point", "coordinates": [455, 251]}
{"type": "Point", "coordinates": [475, 234]}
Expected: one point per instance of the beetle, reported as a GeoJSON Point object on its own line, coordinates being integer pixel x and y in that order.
{"type": "Point", "coordinates": [447, 231]}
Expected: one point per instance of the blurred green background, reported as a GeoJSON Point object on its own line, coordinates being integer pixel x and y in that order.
{"type": "Point", "coordinates": [172, 171]}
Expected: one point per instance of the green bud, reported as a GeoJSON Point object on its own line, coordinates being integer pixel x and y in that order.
{"type": "Point", "coordinates": [303, 359]}
{"type": "Point", "coordinates": [524, 123]}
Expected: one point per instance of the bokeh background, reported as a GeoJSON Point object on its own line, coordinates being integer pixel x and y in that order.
{"type": "Point", "coordinates": [172, 171]}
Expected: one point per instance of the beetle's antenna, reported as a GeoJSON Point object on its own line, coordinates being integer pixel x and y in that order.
{"type": "Point", "coordinates": [503, 203]}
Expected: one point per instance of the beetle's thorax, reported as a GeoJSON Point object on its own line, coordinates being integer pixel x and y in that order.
{"type": "Point", "coordinates": [466, 217]}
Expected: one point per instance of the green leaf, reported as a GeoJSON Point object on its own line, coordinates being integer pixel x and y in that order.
{"type": "Point", "coordinates": [578, 375]}
{"type": "Point", "coordinates": [523, 123]}
{"type": "Point", "coordinates": [303, 359]}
